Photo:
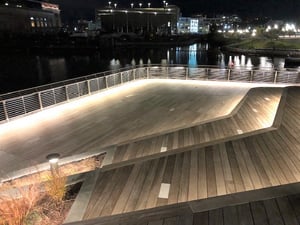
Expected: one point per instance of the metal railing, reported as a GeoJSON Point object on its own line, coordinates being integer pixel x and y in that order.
{"type": "Point", "coordinates": [16, 104]}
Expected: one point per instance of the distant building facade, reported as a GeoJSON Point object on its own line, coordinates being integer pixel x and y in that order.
{"type": "Point", "coordinates": [134, 19]}
{"type": "Point", "coordinates": [26, 16]}
{"type": "Point", "coordinates": [192, 25]}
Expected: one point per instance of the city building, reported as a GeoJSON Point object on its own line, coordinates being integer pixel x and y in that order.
{"type": "Point", "coordinates": [26, 16]}
{"type": "Point", "coordinates": [192, 25]}
{"type": "Point", "coordinates": [139, 19]}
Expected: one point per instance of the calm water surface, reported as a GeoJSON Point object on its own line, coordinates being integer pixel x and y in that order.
{"type": "Point", "coordinates": [25, 71]}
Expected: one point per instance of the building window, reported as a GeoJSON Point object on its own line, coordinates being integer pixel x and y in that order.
{"type": "Point", "coordinates": [37, 22]}
{"type": "Point", "coordinates": [32, 22]}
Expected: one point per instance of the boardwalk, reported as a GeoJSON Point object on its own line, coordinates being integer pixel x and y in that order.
{"type": "Point", "coordinates": [255, 114]}
{"type": "Point", "coordinates": [179, 146]}
{"type": "Point", "coordinates": [119, 115]}
{"type": "Point", "coordinates": [264, 160]}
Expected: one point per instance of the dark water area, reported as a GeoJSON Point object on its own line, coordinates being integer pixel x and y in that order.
{"type": "Point", "coordinates": [21, 71]}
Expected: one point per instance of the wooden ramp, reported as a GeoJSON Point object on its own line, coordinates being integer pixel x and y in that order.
{"type": "Point", "coordinates": [131, 112]}
{"type": "Point", "coordinates": [239, 167]}
{"type": "Point", "coordinates": [255, 114]}
{"type": "Point", "coordinates": [283, 210]}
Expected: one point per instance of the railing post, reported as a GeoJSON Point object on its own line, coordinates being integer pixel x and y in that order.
{"type": "Point", "coordinates": [54, 96]}
{"type": "Point", "coordinates": [275, 76]}
{"type": "Point", "coordinates": [5, 111]}
{"type": "Point", "coordinates": [148, 72]}
{"type": "Point", "coordinates": [89, 86]}
{"type": "Point", "coordinates": [106, 82]}
{"type": "Point", "coordinates": [40, 100]}
{"type": "Point", "coordinates": [206, 71]}
{"type": "Point", "coordinates": [121, 77]}
{"type": "Point", "coordinates": [23, 102]}
{"type": "Point", "coordinates": [186, 72]}
{"type": "Point", "coordinates": [251, 75]}
{"type": "Point", "coordinates": [168, 72]}
{"type": "Point", "coordinates": [228, 75]}
{"type": "Point", "coordinates": [67, 94]}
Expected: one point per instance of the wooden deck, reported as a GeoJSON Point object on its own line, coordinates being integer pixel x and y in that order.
{"type": "Point", "coordinates": [284, 210]}
{"type": "Point", "coordinates": [247, 142]}
{"type": "Point", "coordinates": [251, 163]}
{"type": "Point", "coordinates": [255, 114]}
{"type": "Point", "coordinates": [279, 211]}
{"type": "Point", "coordinates": [137, 110]}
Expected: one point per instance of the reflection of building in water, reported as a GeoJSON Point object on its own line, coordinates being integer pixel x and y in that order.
{"type": "Point", "coordinates": [242, 62]}
{"type": "Point", "coordinates": [138, 19]}
{"type": "Point", "coordinates": [193, 55]}
{"type": "Point", "coordinates": [265, 63]}
{"type": "Point", "coordinates": [25, 16]}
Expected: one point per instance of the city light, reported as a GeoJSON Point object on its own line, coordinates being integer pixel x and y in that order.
{"type": "Point", "coordinates": [132, 4]}
{"type": "Point", "coordinates": [149, 4]}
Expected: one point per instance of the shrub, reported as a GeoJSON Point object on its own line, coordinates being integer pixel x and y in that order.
{"type": "Point", "coordinates": [14, 208]}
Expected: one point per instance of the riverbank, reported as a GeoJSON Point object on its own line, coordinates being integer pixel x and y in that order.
{"type": "Point", "coordinates": [71, 45]}
{"type": "Point", "coordinates": [265, 47]}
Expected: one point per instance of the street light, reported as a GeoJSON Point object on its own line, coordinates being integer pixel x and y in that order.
{"type": "Point", "coordinates": [53, 159]}
{"type": "Point", "coordinates": [109, 4]}
{"type": "Point", "coordinates": [115, 5]}
{"type": "Point", "coordinates": [149, 4]}
{"type": "Point", "coordinates": [126, 12]}
{"type": "Point", "coordinates": [140, 4]}
{"type": "Point", "coordinates": [132, 5]}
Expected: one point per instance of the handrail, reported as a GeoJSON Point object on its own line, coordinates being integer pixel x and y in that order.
{"type": "Point", "coordinates": [20, 103]}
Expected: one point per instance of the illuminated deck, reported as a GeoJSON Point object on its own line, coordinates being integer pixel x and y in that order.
{"type": "Point", "coordinates": [119, 115]}
{"type": "Point", "coordinates": [177, 145]}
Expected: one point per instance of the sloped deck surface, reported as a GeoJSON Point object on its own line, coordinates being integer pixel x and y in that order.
{"type": "Point", "coordinates": [253, 115]}
{"type": "Point", "coordinates": [131, 112]}
{"type": "Point", "coordinates": [250, 163]}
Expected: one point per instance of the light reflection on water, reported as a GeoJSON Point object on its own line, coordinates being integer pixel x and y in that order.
{"type": "Point", "coordinates": [25, 71]}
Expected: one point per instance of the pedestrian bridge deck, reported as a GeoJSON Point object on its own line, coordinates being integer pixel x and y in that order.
{"type": "Point", "coordinates": [254, 114]}
{"type": "Point", "coordinates": [221, 139]}
{"type": "Point", "coordinates": [252, 163]}
{"type": "Point", "coordinates": [129, 112]}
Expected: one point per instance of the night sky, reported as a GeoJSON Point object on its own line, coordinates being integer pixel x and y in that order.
{"type": "Point", "coordinates": [276, 9]}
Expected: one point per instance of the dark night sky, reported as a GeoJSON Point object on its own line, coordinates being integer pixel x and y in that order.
{"type": "Point", "coordinates": [276, 9]}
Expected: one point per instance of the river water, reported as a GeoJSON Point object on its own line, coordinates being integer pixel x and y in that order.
{"type": "Point", "coordinates": [21, 71]}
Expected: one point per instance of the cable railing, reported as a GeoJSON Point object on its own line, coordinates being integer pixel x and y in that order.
{"type": "Point", "coordinates": [20, 103]}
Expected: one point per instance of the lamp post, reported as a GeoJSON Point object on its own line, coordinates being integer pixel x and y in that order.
{"type": "Point", "coordinates": [140, 4]}
{"type": "Point", "coordinates": [126, 12]}
{"type": "Point", "coordinates": [53, 159]}
{"type": "Point", "coordinates": [132, 4]}
{"type": "Point", "coordinates": [149, 4]}
{"type": "Point", "coordinates": [109, 3]}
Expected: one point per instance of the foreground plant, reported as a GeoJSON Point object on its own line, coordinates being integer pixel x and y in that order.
{"type": "Point", "coordinates": [15, 207]}
{"type": "Point", "coordinates": [56, 186]}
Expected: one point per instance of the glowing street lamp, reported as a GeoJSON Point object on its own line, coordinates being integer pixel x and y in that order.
{"type": "Point", "coordinates": [149, 4]}
{"type": "Point", "coordinates": [53, 159]}
{"type": "Point", "coordinates": [140, 4]}
{"type": "Point", "coordinates": [115, 5]}
{"type": "Point", "coordinates": [131, 5]}
{"type": "Point", "coordinates": [109, 4]}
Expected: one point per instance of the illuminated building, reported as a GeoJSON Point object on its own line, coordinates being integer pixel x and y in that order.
{"type": "Point", "coordinates": [139, 19]}
{"type": "Point", "coordinates": [27, 16]}
{"type": "Point", "coordinates": [188, 25]}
